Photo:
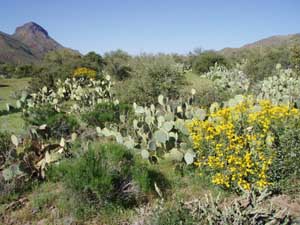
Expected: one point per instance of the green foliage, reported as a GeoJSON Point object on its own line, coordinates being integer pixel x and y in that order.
{"type": "Point", "coordinates": [107, 174]}
{"type": "Point", "coordinates": [206, 92]}
{"type": "Point", "coordinates": [60, 64]}
{"type": "Point", "coordinates": [39, 115]}
{"type": "Point", "coordinates": [62, 125]}
{"type": "Point", "coordinates": [260, 64]}
{"type": "Point", "coordinates": [166, 78]}
{"type": "Point", "coordinates": [93, 61]}
{"type": "Point", "coordinates": [59, 124]}
{"type": "Point", "coordinates": [107, 112]}
{"type": "Point", "coordinates": [19, 71]}
{"type": "Point", "coordinates": [152, 76]}
{"type": "Point", "coordinates": [26, 71]}
{"type": "Point", "coordinates": [42, 200]}
{"type": "Point", "coordinates": [202, 62]}
{"type": "Point", "coordinates": [172, 215]}
{"type": "Point", "coordinates": [286, 165]}
{"type": "Point", "coordinates": [44, 78]}
{"type": "Point", "coordinates": [295, 58]}
{"type": "Point", "coordinates": [4, 143]}
{"type": "Point", "coordinates": [7, 70]}
{"type": "Point", "coordinates": [117, 64]}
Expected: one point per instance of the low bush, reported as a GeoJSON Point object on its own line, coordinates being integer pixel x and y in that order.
{"type": "Point", "coordinates": [151, 77]}
{"type": "Point", "coordinates": [106, 113]}
{"type": "Point", "coordinates": [58, 123]}
{"type": "Point", "coordinates": [205, 60]}
{"type": "Point", "coordinates": [84, 72]}
{"type": "Point", "coordinates": [171, 215]}
{"type": "Point", "coordinates": [108, 175]}
{"type": "Point", "coordinates": [246, 210]}
{"type": "Point", "coordinates": [5, 142]}
{"type": "Point", "coordinates": [287, 143]}
{"type": "Point", "coordinates": [206, 92]}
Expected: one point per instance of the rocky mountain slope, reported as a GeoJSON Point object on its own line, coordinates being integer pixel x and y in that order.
{"type": "Point", "coordinates": [270, 42]}
{"type": "Point", "coordinates": [28, 44]}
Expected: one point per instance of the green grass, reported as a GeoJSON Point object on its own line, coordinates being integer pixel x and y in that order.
{"type": "Point", "coordinates": [7, 89]}
{"type": "Point", "coordinates": [196, 82]}
{"type": "Point", "coordinates": [12, 122]}
{"type": "Point", "coordinates": [192, 77]}
{"type": "Point", "coordinates": [50, 195]}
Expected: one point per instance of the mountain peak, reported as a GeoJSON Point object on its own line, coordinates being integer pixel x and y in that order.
{"type": "Point", "coordinates": [36, 38]}
{"type": "Point", "coordinates": [30, 27]}
{"type": "Point", "coordinates": [29, 44]}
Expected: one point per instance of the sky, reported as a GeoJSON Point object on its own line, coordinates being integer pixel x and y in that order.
{"type": "Point", "coordinates": [152, 26]}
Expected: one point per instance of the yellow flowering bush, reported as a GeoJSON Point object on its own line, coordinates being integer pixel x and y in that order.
{"type": "Point", "coordinates": [236, 143]}
{"type": "Point", "coordinates": [85, 73]}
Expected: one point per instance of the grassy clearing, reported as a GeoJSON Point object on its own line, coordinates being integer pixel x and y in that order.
{"type": "Point", "coordinates": [198, 83]}
{"type": "Point", "coordinates": [11, 122]}
{"type": "Point", "coordinates": [193, 80]}
{"type": "Point", "coordinates": [7, 89]}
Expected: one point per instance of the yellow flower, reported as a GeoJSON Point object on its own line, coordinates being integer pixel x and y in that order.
{"type": "Point", "coordinates": [235, 143]}
{"type": "Point", "coordinates": [84, 72]}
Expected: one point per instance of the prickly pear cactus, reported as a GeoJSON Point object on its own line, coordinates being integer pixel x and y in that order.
{"type": "Point", "coordinates": [232, 80]}
{"type": "Point", "coordinates": [71, 95]}
{"type": "Point", "coordinates": [158, 130]}
{"type": "Point", "coordinates": [283, 87]}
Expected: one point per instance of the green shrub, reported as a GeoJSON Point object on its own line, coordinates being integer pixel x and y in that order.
{"type": "Point", "coordinates": [108, 174]}
{"type": "Point", "coordinates": [175, 215]}
{"type": "Point", "coordinates": [206, 92]}
{"type": "Point", "coordinates": [46, 77]}
{"type": "Point", "coordinates": [117, 64]}
{"type": "Point", "coordinates": [287, 161]}
{"type": "Point", "coordinates": [152, 76]}
{"type": "Point", "coordinates": [106, 113]}
{"type": "Point", "coordinates": [5, 142]}
{"type": "Point", "coordinates": [59, 124]}
{"type": "Point", "coordinates": [39, 115]}
{"type": "Point", "coordinates": [202, 62]}
{"type": "Point", "coordinates": [261, 63]}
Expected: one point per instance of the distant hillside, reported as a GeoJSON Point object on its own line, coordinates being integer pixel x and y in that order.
{"type": "Point", "coordinates": [28, 44]}
{"type": "Point", "coordinates": [12, 50]}
{"type": "Point", "coordinates": [270, 42]}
